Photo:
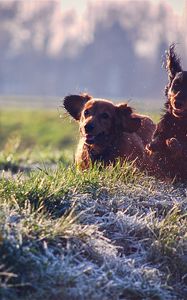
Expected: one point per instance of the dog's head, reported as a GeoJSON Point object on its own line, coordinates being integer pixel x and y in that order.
{"type": "Point", "coordinates": [100, 120]}
{"type": "Point", "coordinates": [176, 90]}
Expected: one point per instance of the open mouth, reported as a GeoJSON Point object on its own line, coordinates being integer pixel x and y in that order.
{"type": "Point", "coordinates": [95, 139]}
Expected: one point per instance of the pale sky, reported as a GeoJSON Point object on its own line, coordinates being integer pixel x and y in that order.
{"type": "Point", "coordinates": [80, 5]}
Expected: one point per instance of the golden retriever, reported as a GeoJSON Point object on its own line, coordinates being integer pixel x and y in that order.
{"type": "Point", "coordinates": [108, 131]}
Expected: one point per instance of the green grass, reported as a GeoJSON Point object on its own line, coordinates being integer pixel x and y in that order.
{"type": "Point", "coordinates": [30, 137]}
{"type": "Point", "coordinates": [37, 127]}
{"type": "Point", "coordinates": [105, 233]}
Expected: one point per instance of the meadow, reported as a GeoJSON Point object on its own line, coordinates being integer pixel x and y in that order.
{"type": "Point", "coordinates": [109, 234]}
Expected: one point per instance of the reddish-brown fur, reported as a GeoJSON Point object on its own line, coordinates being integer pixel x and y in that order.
{"type": "Point", "coordinates": [108, 131]}
{"type": "Point", "coordinates": [168, 148]}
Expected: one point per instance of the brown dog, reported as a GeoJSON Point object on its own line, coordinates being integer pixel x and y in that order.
{"type": "Point", "coordinates": [108, 131]}
{"type": "Point", "coordinates": [168, 148]}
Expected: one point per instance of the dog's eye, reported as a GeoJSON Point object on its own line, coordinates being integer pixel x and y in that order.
{"type": "Point", "coordinates": [104, 115]}
{"type": "Point", "coordinates": [86, 113]}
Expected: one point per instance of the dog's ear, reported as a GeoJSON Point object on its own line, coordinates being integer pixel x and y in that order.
{"type": "Point", "coordinates": [75, 103]}
{"type": "Point", "coordinates": [125, 120]}
{"type": "Point", "coordinates": [172, 65]}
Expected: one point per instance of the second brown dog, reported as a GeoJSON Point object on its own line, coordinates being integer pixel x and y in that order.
{"type": "Point", "coordinates": [168, 148]}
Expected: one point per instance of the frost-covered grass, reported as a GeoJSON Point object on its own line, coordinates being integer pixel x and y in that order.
{"type": "Point", "coordinates": [102, 234]}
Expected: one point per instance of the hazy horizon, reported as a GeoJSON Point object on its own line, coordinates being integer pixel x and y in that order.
{"type": "Point", "coordinates": [111, 49]}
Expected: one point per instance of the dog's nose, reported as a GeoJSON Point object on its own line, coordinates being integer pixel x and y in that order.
{"type": "Point", "coordinates": [88, 127]}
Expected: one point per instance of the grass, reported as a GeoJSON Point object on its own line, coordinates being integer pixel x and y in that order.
{"type": "Point", "coordinates": [31, 137]}
{"type": "Point", "coordinates": [111, 233]}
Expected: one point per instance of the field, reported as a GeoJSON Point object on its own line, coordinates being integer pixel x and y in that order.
{"type": "Point", "coordinates": [103, 234]}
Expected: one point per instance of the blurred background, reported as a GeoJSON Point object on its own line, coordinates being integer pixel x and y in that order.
{"type": "Point", "coordinates": [109, 48]}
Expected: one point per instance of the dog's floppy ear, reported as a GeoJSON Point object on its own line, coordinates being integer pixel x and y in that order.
{"type": "Point", "coordinates": [75, 103]}
{"type": "Point", "coordinates": [172, 65]}
{"type": "Point", "coordinates": [125, 119]}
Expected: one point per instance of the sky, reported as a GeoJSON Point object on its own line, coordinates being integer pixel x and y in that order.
{"type": "Point", "coordinates": [80, 5]}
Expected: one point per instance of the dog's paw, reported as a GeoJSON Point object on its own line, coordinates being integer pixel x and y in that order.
{"type": "Point", "coordinates": [174, 146]}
